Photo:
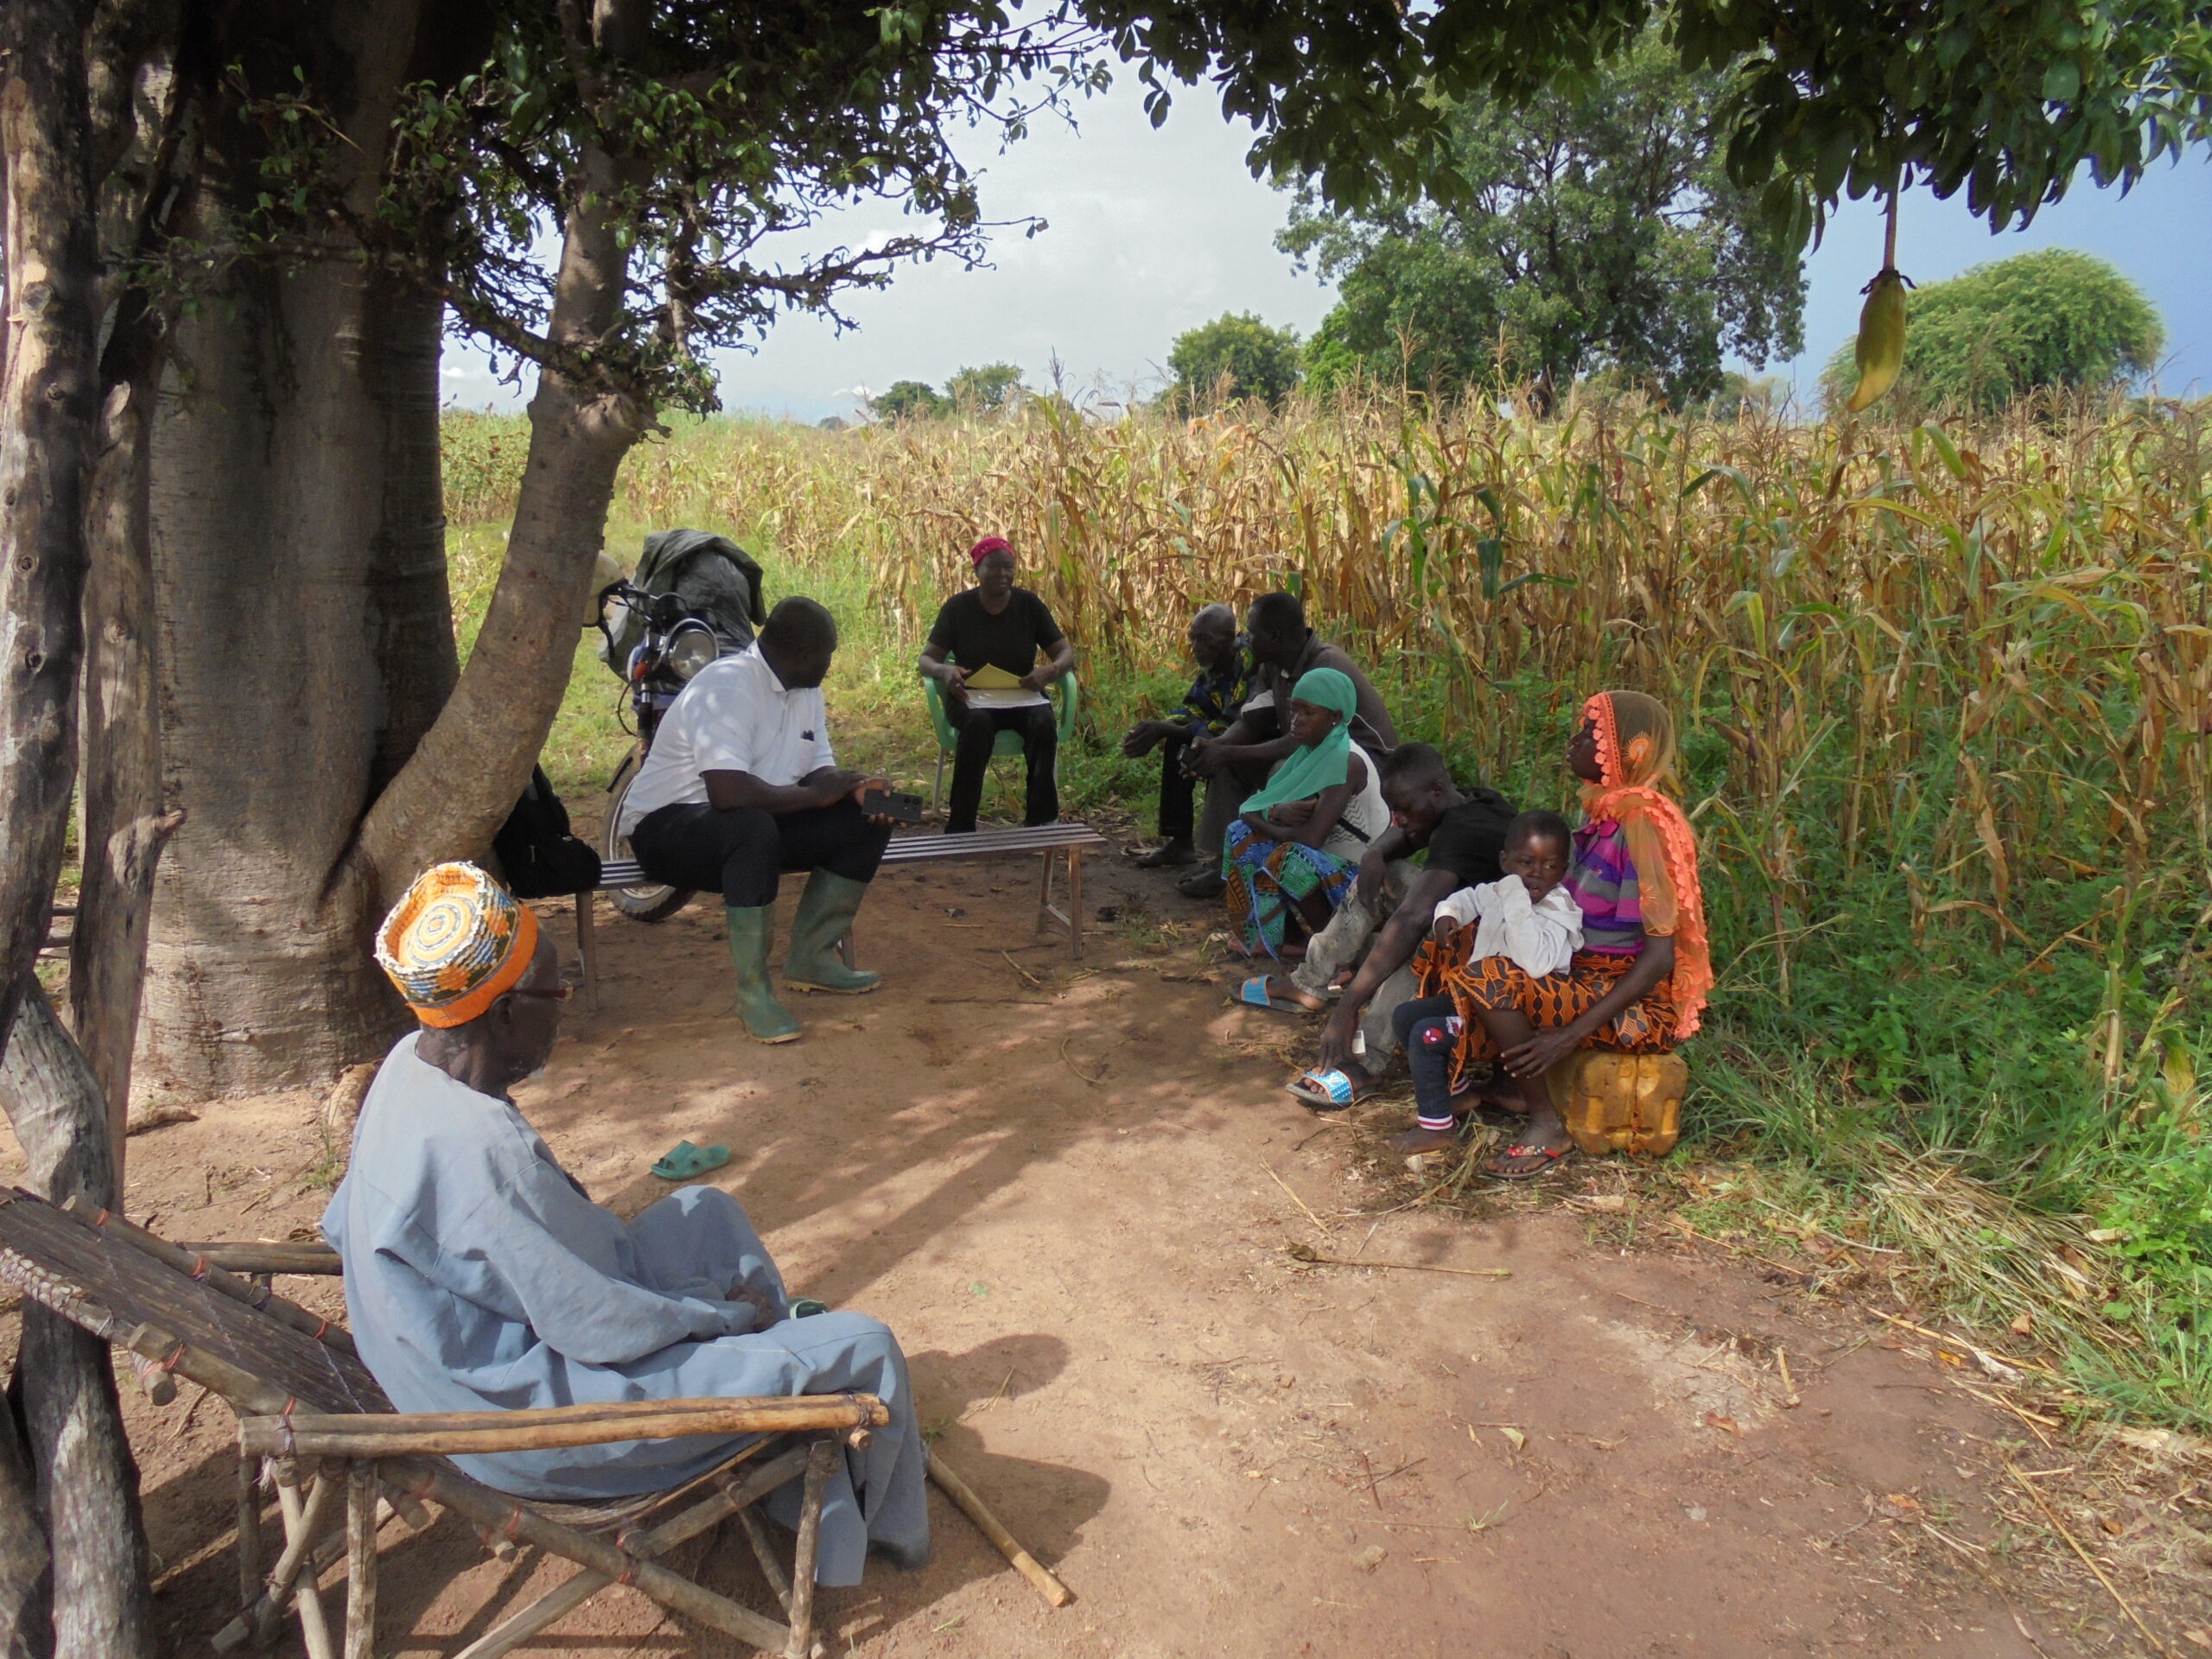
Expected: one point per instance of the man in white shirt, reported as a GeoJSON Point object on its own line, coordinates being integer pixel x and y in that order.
{"type": "Point", "coordinates": [742, 785]}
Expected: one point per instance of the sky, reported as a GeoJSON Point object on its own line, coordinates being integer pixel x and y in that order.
{"type": "Point", "coordinates": [1152, 233]}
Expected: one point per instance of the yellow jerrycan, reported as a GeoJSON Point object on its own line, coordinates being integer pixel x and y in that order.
{"type": "Point", "coordinates": [1621, 1102]}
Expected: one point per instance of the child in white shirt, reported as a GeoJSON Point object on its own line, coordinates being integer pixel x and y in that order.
{"type": "Point", "coordinates": [1527, 917]}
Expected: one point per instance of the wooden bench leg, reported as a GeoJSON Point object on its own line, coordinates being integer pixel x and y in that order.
{"type": "Point", "coordinates": [819, 1457]}
{"type": "Point", "coordinates": [302, 1522]}
{"type": "Point", "coordinates": [249, 1529]}
{"type": "Point", "coordinates": [1074, 902]}
{"type": "Point", "coordinates": [587, 949]}
{"type": "Point", "coordinates": [756, 1533]}
{"type": "Point", "coordinates": [362, 1490]}
{"type": "Point", "coordinates": [1044, 892]}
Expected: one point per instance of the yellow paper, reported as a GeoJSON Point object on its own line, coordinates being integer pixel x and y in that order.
{"type": "Point", "coordinates": [991, 678]}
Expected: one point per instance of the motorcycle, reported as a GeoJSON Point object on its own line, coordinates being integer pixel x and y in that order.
{"type": "Point", "coordinates": [673, 647]}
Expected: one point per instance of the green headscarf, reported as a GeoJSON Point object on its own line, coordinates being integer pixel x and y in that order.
{"type": "Point", "coordinates": [1309, 769]}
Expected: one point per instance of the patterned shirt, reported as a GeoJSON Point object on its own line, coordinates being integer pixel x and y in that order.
{"type": "Point", "coordinates": [1603, 884]}
{"type": "Point", "coordinates": [1217, 693]}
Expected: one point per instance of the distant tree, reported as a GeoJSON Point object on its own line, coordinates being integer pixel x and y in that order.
{"type": "Point", "coordinates": [2054, 319]}
{"type": "Point", "coordinates": [907, 400]}
{"type": "Point", "coordinates": [1597, 229]}
{"type": "Point", "coordinates": [983, 391]}
{"type": "Point", "coordinates": [1235, 355]}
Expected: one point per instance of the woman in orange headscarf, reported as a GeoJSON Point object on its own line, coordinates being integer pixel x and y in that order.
{"type": "Point", "coordinates": [1640, 981]}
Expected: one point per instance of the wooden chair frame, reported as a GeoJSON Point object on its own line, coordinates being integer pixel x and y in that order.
{"type": "Point", "coordinates": [374, 1458]}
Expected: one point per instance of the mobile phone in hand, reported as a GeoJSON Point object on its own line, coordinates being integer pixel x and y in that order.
{"type": "Point", "coordinates": [899, 808]}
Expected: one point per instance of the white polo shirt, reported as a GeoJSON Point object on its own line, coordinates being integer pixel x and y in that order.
{"type": "Point", "coordinates": [735, 716]}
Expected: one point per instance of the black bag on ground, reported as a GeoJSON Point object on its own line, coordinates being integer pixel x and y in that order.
{"type": "Point", "coordinates": [542, 859]}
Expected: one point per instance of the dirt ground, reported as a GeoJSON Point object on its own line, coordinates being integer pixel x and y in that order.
{"type": "Point", "coordinates": [1070, 1189]}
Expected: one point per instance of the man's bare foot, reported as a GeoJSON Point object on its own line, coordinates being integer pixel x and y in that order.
{"type": "Point", "coordinates": [1282, 987]}
{"type": "Point", "coordinates": [1168, 853]}
{"type": "Point", "coordinates": [1420, 1140]}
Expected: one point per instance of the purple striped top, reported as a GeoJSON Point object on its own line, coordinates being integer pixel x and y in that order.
{"type": "Point", "coordinates": [1602, 881]}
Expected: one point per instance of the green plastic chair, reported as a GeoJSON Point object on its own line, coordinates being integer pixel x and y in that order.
{"type": "Point", "coordinates": [1008, 743]}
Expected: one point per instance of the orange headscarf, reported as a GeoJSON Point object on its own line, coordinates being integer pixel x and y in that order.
{"type": "Point", "coordinates": [1635, 760]}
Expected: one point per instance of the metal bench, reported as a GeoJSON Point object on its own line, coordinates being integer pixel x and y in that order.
{"type": "Point", "coordinates": [1061, 845]}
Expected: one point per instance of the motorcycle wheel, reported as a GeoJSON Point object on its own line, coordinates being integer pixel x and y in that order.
{"type": "Point", "coordinates": [647, 902]}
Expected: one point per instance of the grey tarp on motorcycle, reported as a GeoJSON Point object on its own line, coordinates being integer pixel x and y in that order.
{"type": "Point", "coordinates": [718, 582]}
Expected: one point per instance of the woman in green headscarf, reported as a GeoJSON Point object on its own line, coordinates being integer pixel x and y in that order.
{"type": "Point", "coordinates": [1294, 850]}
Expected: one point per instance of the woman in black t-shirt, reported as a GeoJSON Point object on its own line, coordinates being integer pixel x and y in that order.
{"type": "Point", "coordinates": [1006, 627]}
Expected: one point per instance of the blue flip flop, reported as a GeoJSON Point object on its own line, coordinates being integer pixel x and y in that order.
{"type": "Point", "coordinates": [1329, 1090]}
{"type": "Point", "coordinates": [1253, 993]}
{"type": "Point", "coordinates": [684, 1162]}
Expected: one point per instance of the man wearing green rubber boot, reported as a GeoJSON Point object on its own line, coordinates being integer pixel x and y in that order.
{"type": "Point", "coordinates": [742, 785]}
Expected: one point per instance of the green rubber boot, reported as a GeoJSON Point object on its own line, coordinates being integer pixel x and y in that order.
{"type": "Point", "coordinates": [766, 1021]}
{"type": "Point", "coordinates": [825, 911]}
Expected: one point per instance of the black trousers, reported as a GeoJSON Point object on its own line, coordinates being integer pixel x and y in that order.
{"type": "Point", "coordinates": [741, 850]}
{"type": "Point", "coordinates": [979, 729]}
{"type": "Point", "coordinates": [1178, 792]}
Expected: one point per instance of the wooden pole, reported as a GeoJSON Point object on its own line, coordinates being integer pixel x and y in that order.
{"type": "Point", "coordinates": [251, 1259]}
{"type": "Point", "coordinates": [249, 1529]}
{"type": "Point", "coordinates": [50, 412]}
{"type": "Point", "coordinates": [260, 1618]}
{"type": "Point", "coordinates": [464, 1432]}
{"type": "Point", "coordinates": [361, 1495]}
{"type": "Point", "coordinates": [214, 1278]}
{"type": "Point", "coordinates": [301, 1520]}
{"type": "Point", "coordinates": [756, 1533]}
{"type": "Point", "coordinates": [820, 1456]}
{"type": "Point", "coordinates": [1056, 1594]}
{"type": "Point", "coordinates": [87, 1483]}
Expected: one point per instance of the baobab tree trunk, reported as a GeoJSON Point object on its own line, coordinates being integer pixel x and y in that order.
{"type": "Point", "coordinates": [316, 735]}
{"type": "Point", "coordinates": [268, 502]}
{"type": "Point", "coordinates": [297, 548]}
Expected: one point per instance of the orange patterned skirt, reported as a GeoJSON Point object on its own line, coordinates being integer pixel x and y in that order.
{"type": "Point", "coordinates": [1547, 1002]}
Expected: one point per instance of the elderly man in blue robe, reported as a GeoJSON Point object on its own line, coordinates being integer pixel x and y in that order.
{"type": "Point", "coordinates": [479, 1276]}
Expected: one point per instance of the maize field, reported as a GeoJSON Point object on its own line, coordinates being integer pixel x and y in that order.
{"type": "Point", "coordinates": [1944, 695]}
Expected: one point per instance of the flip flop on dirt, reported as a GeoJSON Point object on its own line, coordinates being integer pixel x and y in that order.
{"type": "Point", "coordinates": [1164, 856]}
{"type": "Point", "coordinates": [685, 1162]}
{"type": "Point", "coordinates": [1253, 994]}
{"type": "Point", "coordinates": [1543, 1159]}
{"type": "Point", "coordinates": [1330, 1090]}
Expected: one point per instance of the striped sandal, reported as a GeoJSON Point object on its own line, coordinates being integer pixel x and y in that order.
{"type": "Point", "coordinates": [1330, 1090]}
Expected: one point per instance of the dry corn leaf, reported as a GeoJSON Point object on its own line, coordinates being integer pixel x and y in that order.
{"type": "Point", "coordinates": [1714, 1420]}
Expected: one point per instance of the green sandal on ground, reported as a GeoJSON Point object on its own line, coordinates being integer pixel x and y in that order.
{"type": "Point", "coordinates": [685, 1162]}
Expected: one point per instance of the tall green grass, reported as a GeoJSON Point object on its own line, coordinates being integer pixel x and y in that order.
{"type": "Point", "coordinates": [1942, 695]}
